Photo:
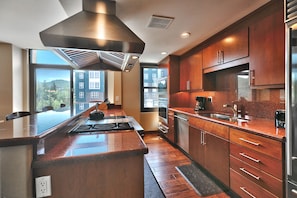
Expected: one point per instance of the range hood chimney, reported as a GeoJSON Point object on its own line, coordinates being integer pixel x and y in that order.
{"type": "Point", "coordinates": [97, 28]}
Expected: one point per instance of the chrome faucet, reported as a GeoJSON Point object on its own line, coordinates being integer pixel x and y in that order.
{"type": "Point", "coordinates": [234, 109]}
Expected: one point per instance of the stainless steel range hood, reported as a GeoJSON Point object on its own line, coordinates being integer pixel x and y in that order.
{"type": "Point", "coordinates": [95, 32]}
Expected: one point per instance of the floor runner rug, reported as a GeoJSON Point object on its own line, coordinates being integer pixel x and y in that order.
{"type": "Point", "coordinates": [151, 186]}
{"type": "Point", "coordinates": [203, 185]}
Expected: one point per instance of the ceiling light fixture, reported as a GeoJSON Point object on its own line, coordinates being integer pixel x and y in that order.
{"type": "Point", "coordinates": [163, 53]}
{"type": "Point", "coordinates": [185, 35]}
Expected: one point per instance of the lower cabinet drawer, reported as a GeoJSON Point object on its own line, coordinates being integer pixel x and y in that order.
{"type": "Point", "coordinates": [258, 177]}
{"type": "Point", "coordinates": [246, 188]}
{"type": "Point", "coordinates": [262, 162]}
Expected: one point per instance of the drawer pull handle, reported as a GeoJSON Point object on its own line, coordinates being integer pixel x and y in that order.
{"type": "Point", "coordinates": [250, 174]}
{"type": "Point", "coordinates": [247, 192]}
{"type": "Point", "coordinates": [249, 157]}
{"type": "Point", "coordinates": [250, 142]}
{"type": "Point", "coordinates": [294, 191]}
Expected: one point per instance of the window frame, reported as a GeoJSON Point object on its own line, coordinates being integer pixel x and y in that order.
{"type": "Point", "coordinates": [142, 87]}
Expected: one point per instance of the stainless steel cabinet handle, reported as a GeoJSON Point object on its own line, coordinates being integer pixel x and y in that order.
{"type": "Point", "coordinates": [163, 130]}
{"type": "Point", "coordinates": [294, 191]}
{"type": "Point", "coordinates": [247, 192]}
{"type": "Point", "coordinates": [250, 174]}
{"type": "Point", "coordinates": [249, 157]}
{"type": "Point", "coordinates": [203, 138]}
{"type": "Point", "coordinates": [184, 119]}
{"type": "Point", "coordinates": [250, 142]}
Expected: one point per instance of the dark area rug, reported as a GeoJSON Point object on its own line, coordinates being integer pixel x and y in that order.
{"type": "Point", "coordinates": [203, 185]}
{"type": "Point", "coordinates": [151, 186]}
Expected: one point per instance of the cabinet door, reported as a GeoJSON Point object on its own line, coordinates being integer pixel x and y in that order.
{"type": "Point", "coordinates": [171, 130]}
{"type": "Point", "coordinates": [196, 148]}
{"type": "Point", "coordinates": [217, 157]}
{"type": "Point", "coordinates": [235, 46]}
{"type": "Point", "coordinates": [231, 48]}
{"type": "Point", "coordinates": [191, 70]}
{"type": "Point", "coordinates": [267, 49]}
{"type": "Point", "coordinates": [211, 55]}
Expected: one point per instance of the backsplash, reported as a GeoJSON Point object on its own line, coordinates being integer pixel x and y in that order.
{"type": "Point", "coordinates": [264, 102]}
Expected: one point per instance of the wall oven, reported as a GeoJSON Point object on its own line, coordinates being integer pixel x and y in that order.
{"type": "Point", "coordinates": [163, 100]}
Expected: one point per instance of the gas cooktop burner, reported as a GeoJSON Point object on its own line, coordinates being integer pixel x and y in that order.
{"type": "Point", "coordinates": [102, 127]}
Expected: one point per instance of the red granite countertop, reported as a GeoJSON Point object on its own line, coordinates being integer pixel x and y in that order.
{"type": "Point", "coordinates": [77, 147]}
{"type": "Point", "coordinates": [260, 126]}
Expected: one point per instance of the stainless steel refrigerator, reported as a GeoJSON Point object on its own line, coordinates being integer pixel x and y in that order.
{"type": "Point", "coordinates": [291, 97]}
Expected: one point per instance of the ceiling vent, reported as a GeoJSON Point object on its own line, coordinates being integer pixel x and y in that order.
{"type": "Point", "coordinates": [160, 22]}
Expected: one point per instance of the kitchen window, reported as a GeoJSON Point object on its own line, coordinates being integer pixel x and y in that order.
{"type": "Point", "coordinates": [54, 82]}
{"type": "Point", "coordinates": [149, 87]}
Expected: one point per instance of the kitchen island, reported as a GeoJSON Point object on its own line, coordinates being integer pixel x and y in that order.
{"type": "Point", "coordinates": [80, 165]}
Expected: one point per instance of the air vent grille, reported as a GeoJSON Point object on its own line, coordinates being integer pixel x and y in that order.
{"type": "Point", "coordinates": [160, 22]}
{"type": "Point", "coordinates": [291, 10]}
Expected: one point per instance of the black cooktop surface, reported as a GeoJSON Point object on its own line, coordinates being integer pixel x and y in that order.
{"type": "Point", "coordinates": [102, 127]}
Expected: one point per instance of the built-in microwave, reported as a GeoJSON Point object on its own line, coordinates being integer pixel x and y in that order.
{"type": "Point", "coordinates": [163, 109]}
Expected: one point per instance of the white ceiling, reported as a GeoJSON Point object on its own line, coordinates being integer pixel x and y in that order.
{"type": "Point", "coordinates": [22, 20]}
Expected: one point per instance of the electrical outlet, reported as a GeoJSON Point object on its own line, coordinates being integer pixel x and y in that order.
{"type": "Point", "coordinates": [209, 99]}
{"type": "Point", "coordinates": [43, 186]}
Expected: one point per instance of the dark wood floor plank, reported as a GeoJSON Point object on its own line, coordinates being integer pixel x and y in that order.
{"type": "Point", "coordinates": [163, 159]}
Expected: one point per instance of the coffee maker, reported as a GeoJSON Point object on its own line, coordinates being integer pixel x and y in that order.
{"type": "Point", "coordinates": [200, 103]}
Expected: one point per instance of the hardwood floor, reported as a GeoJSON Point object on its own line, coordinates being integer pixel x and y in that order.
{"type": "Point", "coordinates": [163, 158]}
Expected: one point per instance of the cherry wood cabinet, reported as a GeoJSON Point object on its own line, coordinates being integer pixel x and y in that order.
{"type": "Point", "coordinates": [208, 148]}
{"type": "Point", "coordinates": [191, 76]}
{"type": "Point", "coordinates": [256, 165]}
{"type": "Point", "coordinates": [230, 48]}
{"type": "Point", "coordinates": [171, 129]}
{"type": "Point", "coordinates": [267, 48]}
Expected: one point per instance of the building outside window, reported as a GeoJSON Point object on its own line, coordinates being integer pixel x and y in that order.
{"type": "Point", "coordinates": [149, 87]}
{"type": "Point", "coordinates": [54, 80]}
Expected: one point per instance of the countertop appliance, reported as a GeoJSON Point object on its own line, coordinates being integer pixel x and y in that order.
{"type": "Point", "coordinates": [280, 121]}
{"type": "Point", "coordinates": [200, 103]}
{"type": "Point", "coordinates": [291, 97]}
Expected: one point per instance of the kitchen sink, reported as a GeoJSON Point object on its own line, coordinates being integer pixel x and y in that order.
{"type": "Point", "coordinates": [218, 116]}
{"type": "Point", "coordinates": [225, 117]}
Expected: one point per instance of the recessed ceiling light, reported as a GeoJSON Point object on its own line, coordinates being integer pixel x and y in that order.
{"type": "Point", "coordinates": [163, 53]}
{"type": "Point", "coordinates": [185, 35]}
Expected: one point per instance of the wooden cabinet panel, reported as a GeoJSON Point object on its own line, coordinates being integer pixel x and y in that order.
{"type": "Point", "coordinates": [232, 47]}
{"type": "Point", "coordinates": [196, 147]}
{"type": "Point", "coordinates": [171, 129]}
{"type": "Point", "coordinates": [209, 150]}
{"type": "Point", "coordinates": [245, 188]}
{"type": "Point", "coordinates": [217, 157]}
{"type": "Point", "coordinates": [258, 160]}
{"type": "Point", "coordinates": [214, 128]}
{"type": "Point", "coordinates": [258, 143]}
{"type": "Point", "coordinates": [261, 178]}
{"type": "Point", "coordinates": [191, 70]}
{"type": "Point", "coordinates": [267, 48]}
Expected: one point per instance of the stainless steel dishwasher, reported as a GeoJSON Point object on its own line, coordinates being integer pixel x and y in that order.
{"type": "Point", "coordinates": [182, 131]}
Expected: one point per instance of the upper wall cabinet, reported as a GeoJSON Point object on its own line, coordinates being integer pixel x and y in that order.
{"type": "Point", "coordinates": [267, 49]}
{"type": "Point", "coordinates": [231, 48]}
{"type": "Point", "coordinates": [191, 72]}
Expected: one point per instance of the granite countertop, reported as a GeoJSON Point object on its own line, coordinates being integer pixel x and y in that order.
{"type": "Point", "coordinates": [66, 147]}
{"type": "Point", "coordinates": [77, 147]}
{"type": "Point", "coordinates": [29, 129]}
{"type": "Point", "coordinates": [259, 126]}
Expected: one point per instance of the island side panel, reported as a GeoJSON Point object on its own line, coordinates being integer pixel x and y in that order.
{"type": "Point", "coordinates": [110, 176]}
